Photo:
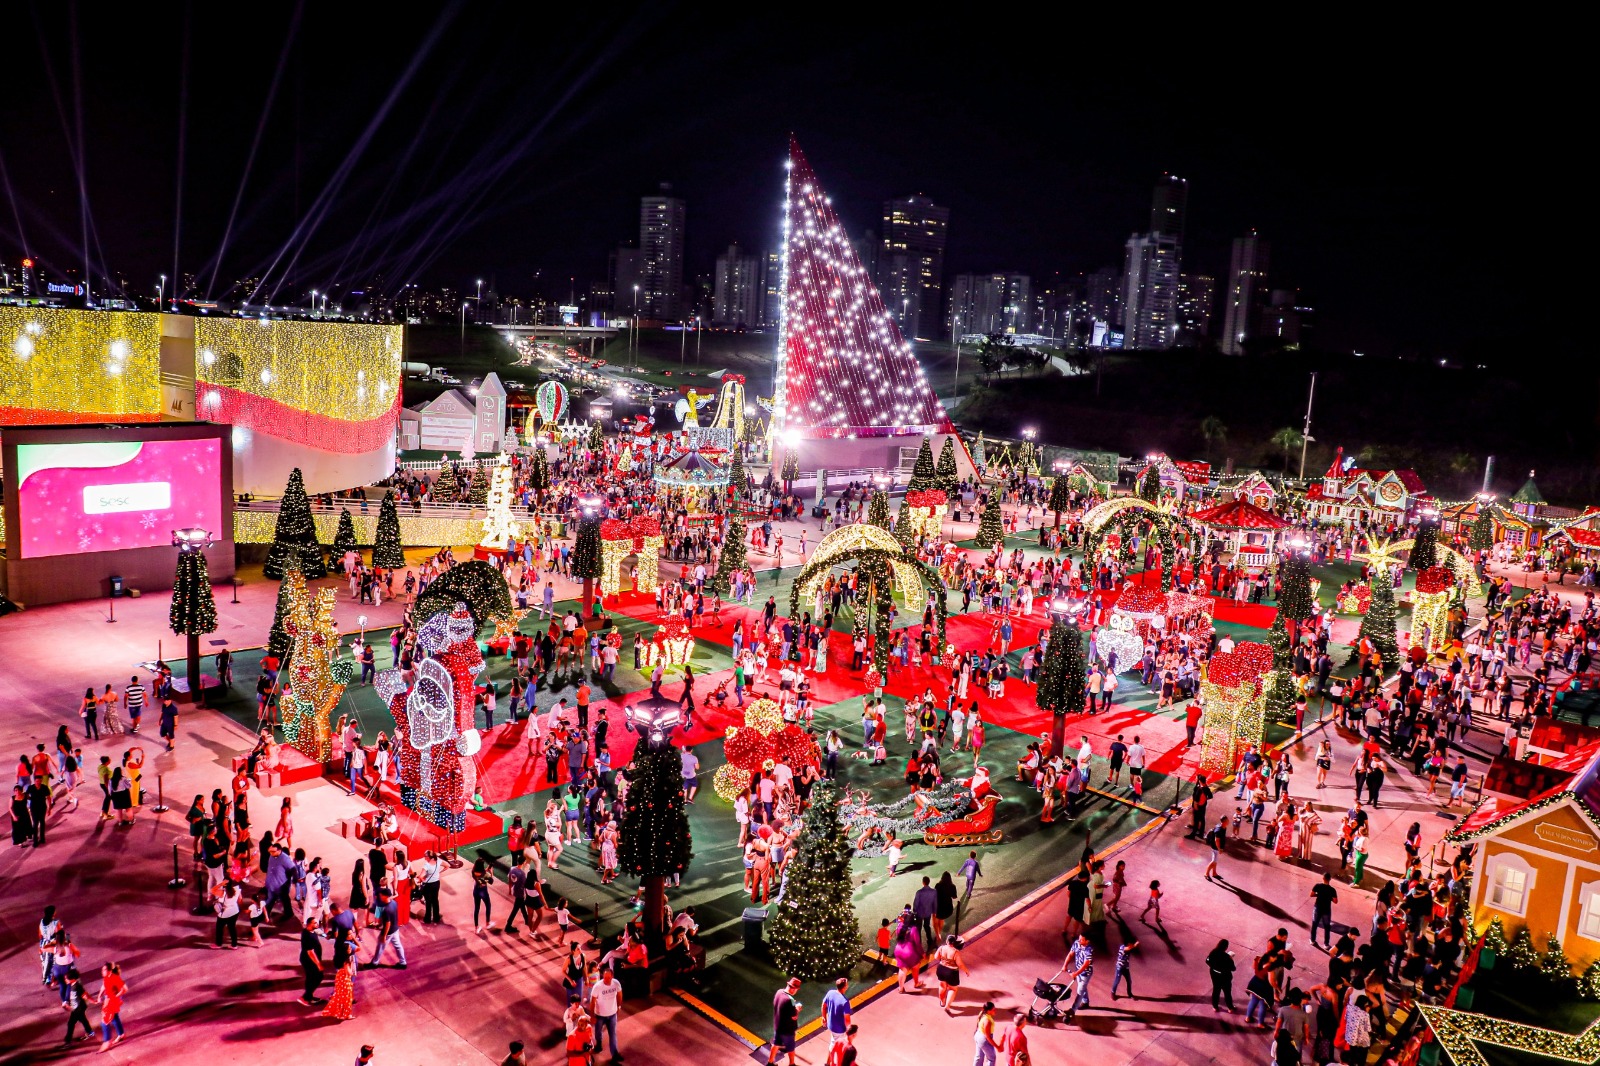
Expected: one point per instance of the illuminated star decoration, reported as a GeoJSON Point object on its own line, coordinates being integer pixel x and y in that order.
{"type": "Point", "coordinates": [1383, 555]}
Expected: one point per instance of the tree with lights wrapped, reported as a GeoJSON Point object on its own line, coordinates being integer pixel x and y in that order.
{"type": "Point", "coordinates": [386, 549]}
{"type": "Point", "coordinates": [1060, 497]}
{"type": "Point", "coordinates": [1556, 967]}
{"type": "Point", "coordinates": [980, 453]}
{"type": "Point", "coordinates": [1150, 484]}
{"type": "Point", "coordinates": [738, 479]}
{"type": "Point", "coordinates": [597, 437]}
{"type": "Point", "coordinates": [903, 525]}
{"type": "Point", "coordinates": [586, 562]}
{"type": "Point", "coordinates": [344, 539]}
{"type": "Point", "coordinates": [1378, 624]}
{"type": "Point", "coordinates": [1522, 956]}
{"type": "Point", "coordinates": [193, 611]}
{"type": "Point", "coordinates": [991, 533]}
{"type": "Point", "coordinates": [732, 556]}
{"type": "Point", "coordinates": [655, 842]}
{"type": "Point", "coordinates": [1279, 683]}
{"type": "Point", "coordinates": [923, 474]}
{"type": "Point", "coordinates": [478, 488]}
{"type": "Point", "coordinates": [476, 583]}
{"type": "Point", "coordinates": [1295, 604]}
{"type": "Point", "coordinates": [1589, 983]}
{"type": "Point", "coordinates": [446, 487]}
{"type": "Point", "coordinates": [294, 542]}
{"type": "Point", "coordinates": [1481, 537]}
{"type": "Point", "coordinates": [1061, 684]}
{"type": "Point", "coordinates": [278, 639]}
{"type": "Point", "coordinates": [791, 471]}
{"type": "Point", "coordinates": [814, 932]}
{"type": "Point", "coordinates": [539, 472]}
{"type": "Point", "coordinates": [947, 475]}
{"type": "Point", "coordinates": [1425, 549]}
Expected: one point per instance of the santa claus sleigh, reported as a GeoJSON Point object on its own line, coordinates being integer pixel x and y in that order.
{"type": "Point", "coordinates": [976, 828]}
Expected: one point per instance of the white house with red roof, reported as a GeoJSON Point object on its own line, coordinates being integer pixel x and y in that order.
{"type": "Point", "coordinates": [1356, 495]}
{"type": "Point", "coordinates": [1180, 477]}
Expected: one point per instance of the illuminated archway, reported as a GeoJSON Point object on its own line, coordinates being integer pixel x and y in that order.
{"type": "Point", "coordinates": [1127, 517]}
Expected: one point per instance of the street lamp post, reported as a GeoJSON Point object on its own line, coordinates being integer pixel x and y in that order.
{"type": "Point", "coordinates": [161, 292]}
{"type": "Point", "coordinates": [463, 351]}
{"type": "Point", "coordinates": [696, 340]}
{"type": "Point", "coordinates": [683, 342]}
{"type": "Point", "coordinates": [192, 542]}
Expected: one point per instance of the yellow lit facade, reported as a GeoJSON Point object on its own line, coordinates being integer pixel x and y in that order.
{"type": "Point", "coordinates": [416, 531]}
{"type": "Point", "coordinates": [336, 369]}
{"type": "Point", "coordinates": [64, 366]}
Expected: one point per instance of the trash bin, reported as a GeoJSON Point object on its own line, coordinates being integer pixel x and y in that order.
{"type": "Point", "coordinates": [753, 917]}
{"type": "Point", "coordinates": [116, 584]}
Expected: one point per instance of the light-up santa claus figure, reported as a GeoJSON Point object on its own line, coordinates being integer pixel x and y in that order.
{"type": "Point", "coordinates": [434, 732]}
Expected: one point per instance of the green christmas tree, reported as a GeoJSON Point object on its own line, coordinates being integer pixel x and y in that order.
{"type": "Point", "coordinates": [1281, 693]}
{"type": "Point", "coordinates": [923, 474]}
{"type": "Point", "coordinates": [885, 612]}
{"type": "Point", "coordinates": [1294, 599]}
{"type": "Point", "coordinates": [1425, 550]}
{"type": "Point", "coordinates": [1378, 624]}
{"type": "Point", "coordinates": [878, 511]}
{"type": "Point", "coordinates": [1556, 967]}
{"type": "Point", "coordinates": [539, 472]}
{"type": "Point", "coordinates": [1481, 536]}
{"type": "Point", "coordinates": [980, 457]}
{"type": "Point", "coordinates": [446, 487]}
{"type": "Point", "coordinates": [1494, 938]}
{"type": "Point", "coordinates": [1589, 983]}
{"type": "Point", "coordinates": [476, 583]}
{"type": "Point", "coordinates": [655, 843]}
{"type": "Point", "coordinates": [814, 932]}
{"type": "Point", "coordinates": [1150, 484]}
{"type": "Point", "coordinates": [738, 480]}
{"type": "Point", "coordinates": [947, 474]}
{"type": "Point", "coordinates": [791, 470]}
{"type": "Point", "coordinates": [597, 437]}
{"type": "Point", "coordinates": [1061, 687]}
{"type": "Point", "coordinates": [1521, 956]}
{"type": "Point", "coordinates": [296, 535]}
{"type": "Point", "coordinates": [278, 639]}
{"type": "Point", "coordinates": [1060, 496]}
{"type": "Point", "coordinates": [478, 489]}
{"type": "Point", "coordinates": [386, 549]}
{"type": "Point", "coordinates": [586, 559]}
{"type": "Point", "coordinates": [194, 610]}
{"type": "Point", "coordinates": [902, 526]}
{"type": "Point", "coordinates": [990, 532]}
{"type": "Point", "coordinates": [344, 539]}
{"type": "Point", "coordinates": [731, 558]}
{"type": "Point", "coordinates": [1282, 648]}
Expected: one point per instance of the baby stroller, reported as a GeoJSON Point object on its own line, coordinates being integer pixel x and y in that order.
{"type": "Point", "coordinates": [1051, 994]}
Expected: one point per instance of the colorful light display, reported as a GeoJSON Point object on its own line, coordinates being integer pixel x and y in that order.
{"type": "Point", "coordinates": [59, 366]}
{"type": "Point", "coordinates": [1430, 608]}
{"type": "Point", "coordinates": [618, 540]}
{"type": "Point", "coordinates": [672, 645]}
{"type": "Point", "coordinates": [313, 688]}
{"type": "Point", "coordinates": [499, 528]}
{"type": "Point", "coordinates": [551, 400]}
{"type": "Point", "coordinates": [1235, 705]}
{"type": "Point", "coordinates": [434, 722]}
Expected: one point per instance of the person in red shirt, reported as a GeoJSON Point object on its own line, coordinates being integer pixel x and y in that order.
{"type": "Point", "coordinates": [1015, 1044]}
{"type": "Point", "coordinates": [112, 990]}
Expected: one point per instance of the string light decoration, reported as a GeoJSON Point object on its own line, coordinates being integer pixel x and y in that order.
{"type": "Point", "coordinates": [732, 557]}
{"type": "Point", "coordinates": [294, 539]}
{"type": "Point", "coordinates": [875, 551]}
{"type": "Point", "coordinates": [620, 539]}
{"type": "Point", "coordinates": [551, 400]}
{"type": "Point", "coordinates": [331, 385]}
{"type": "Point", "coordinates": [1113, 524]}
{"type": "Point", "coordinates": [844, 370]}
{"type": "Point", "coordinates": [194, 609]}
{"type": "Point", "coordinates": [730, 406]}
{"type": "Point", "coordinates": [499, 528]}
{"type": "Point", "coordinates": [1459, 1033]}
{"type": "Point", "coordinates": [814, 932]}
{"type": "Point", "coordinates": [946, 474]}
{"type": "Point", "coordinates": [386, 537]}
{"type": "Point", "coordinates": [312, 688]}
{"type": "Point", "coordinates": [475, 583]}
{"type": "Point", "coordinates": [257, 527]}
{"type": "Point", "coordinates": [672, 645]}
{"type": "Point", "coordinates": [1235, 705]}
{"type": "Point", "coordinates": [764, 716]}
{"type": "Point", "coordinates": [1430, 608]}
{"type": "Point", "coordinates": [436, 737]}
{"type": "Point", "coordinates": [1356, 601]}
{"type": "Point", "coordinates": [926, 511]}
{"type": "Point", "coordinates": [990, 532]}
{"type": "Point", "coordinates": [729, 781]}
{"type": "Point", "coordinates": [59, 366]}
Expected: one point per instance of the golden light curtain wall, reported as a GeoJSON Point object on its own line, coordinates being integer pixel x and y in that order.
{"type": "Point", "coordinates": [416, 531]}
{"type": "Point", "coordinates": [337, 369]}
{"type": "Point", "coordinates": [78, 366]}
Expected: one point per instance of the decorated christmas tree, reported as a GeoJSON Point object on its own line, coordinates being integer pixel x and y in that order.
{"type": "Point", "coordinates": [1378, 624]}
{"type": "Point", "coordinates": [586, 563]}
{"type": "Point", "coordinates": [386, 549]}
{"type": "Point", "coordinates": [193, 610]}
{"type": "Point", "coordinates": [732, 556]}
{"type": "Point", "coordinates": [980, 457]}
{"type": "Point", "coordinates": [1278, 641]}
{"type": "Point", "coordinates": [476, 583]}
{"type": "Point", "coordinates": [446, 487]}
{"type": "Point", "coordinates": [902, 526]}
{"type": "Point", "coordinates": [738, 480]}
{"type": "Point", "coordinates": [478, 488]}
{"type": "Point", "coordinates": [539, 472]}
{"type": "Point", "coordinates": [1494, 938]}
{"type": "Point", "coordinates": [344, 539]}
{"type": "Point", "coordinates": [597, 437]}
{"type": "Point", "coordinates": [1522, 956]}
{"type": "Point", "coordinates": [278, 639]}
{"type": "Point", "coordinates": [947, 474]}
{"type": "Point", "coordinates": [499, 528]}
{"type": "Point", "coordinates": [1150, 484]}
{"type": "Point", "coordinates": [990, 531]}
{"type": "Point", "coordinates": [814, 932]}
{"type": "Point", "coordinates": [1589, 983]}
{"type": "Point", "coordinates": [1294, 599]}
{"type": "Point", "coordinates": [791, 470]}
{"type": "Point", "coordinates": [1481, 536]}
{"type": "Point", "coordinates": [1425, 550]}
{"type": "Point", "coordinates": [1060, 497]}
{"type": "Point", "coordinates": [655, 843]}
{"type": "Point", "coordinates": [923, 474]}
{"type": "Point", "coordinates": [878, 510]}
{"type": "Point", "coordinates": [1061, 682]}
{"type": "Point", "coordinates": [1556, 967]}
{"type": "Point", "coordinates": [294, 543]}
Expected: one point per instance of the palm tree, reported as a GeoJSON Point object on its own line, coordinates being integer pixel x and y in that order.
{"type": "Point", "coordinates": [1212, 429]}
{"type": "Point", "coordinates": [1288, 438]}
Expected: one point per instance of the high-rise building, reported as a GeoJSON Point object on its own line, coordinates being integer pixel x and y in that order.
{"type": "Point", "coordinates": [1150, 291]}
{"type": "Point", "coordinates": [1246, 292]}
{"type": "Point", "coordinates": [1058, 308]}
{"type": "Point", "coordinates": [1168, 206]}
{"type": "Point", "coordinates": [1196, 293]}
{"type": "Point", "coordinates": [736, 289]}
{"type": "Point", "coordinates": [771, 289]}
{"type": "Point", "coordinates": [1102, 295]}
{"type": "Point", "coordinates": [990, 303]}
{"type": "Point", "coordinates": [627, 280]}
{"type": "Point", "coordinates": [661, 225]}
{"type": "Point", "coordinates": [1284, 319]}
{"type": "Point", "coordinates": [911, 265]}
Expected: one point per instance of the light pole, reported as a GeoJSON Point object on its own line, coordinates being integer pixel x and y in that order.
{"type": "Point", "coordinates": [161, 292]}
{"type": "Point", "coordinates": [191, 543]}
{"type": "Point", "coordinates": [463, 329]}
{"type": "Point", "coordinates": [313, 301]}
{"type": "Point", "coordinates": [1305, 434]}
{"type": "Point", "coordinates": [683, 342]}
{"type": "Point", "coordinates": [956, 336]}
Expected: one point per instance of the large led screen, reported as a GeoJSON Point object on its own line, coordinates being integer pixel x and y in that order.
{"type": "Point", "coordinates": [107, 495]}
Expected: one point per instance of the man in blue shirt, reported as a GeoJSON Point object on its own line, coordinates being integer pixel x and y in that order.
{"type": "Point", "coordinates": [836, 1013]}
{"type": "Point", "coordinates": [280, 875]}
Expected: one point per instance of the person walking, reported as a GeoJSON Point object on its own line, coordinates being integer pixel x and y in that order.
{"type": "Point", "coordinates": [948, 966]}
{"type": "Point", "coordinates": [786, 1022]}
{"type": "Point", "coordinates": [310, 960]}
{"type": "Point", "coordinates": [1221, 966]}
{"type": "Point", "coordinates": [1323, 897]}
{"type": "Point", "coordinates": [227, 909]}
{"type": "Point", "coordinates": [1080, 968]}
{"type": "Point", "coordinates": [971, 870]}
{"type": "Point", "coordinates": [113, 989]}
{"type": "Point", "coordinates": [836, 1012]}
{"type": "Point", "coordinates": [1124, 968]}
{"type": "Point", "coordinates": [388, 931]}
{"type": "Point", "coordinates": [983, 1039]}
{"type": "Point", "coordinates": [77, 1004]}
{"type": "Point", "coordinates": [924, 904]}
{"type": "Point", "coordinates": [603, 999]}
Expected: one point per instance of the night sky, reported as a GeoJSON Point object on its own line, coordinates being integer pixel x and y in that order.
{"type": "Point", "coordinates": [1422, 192]}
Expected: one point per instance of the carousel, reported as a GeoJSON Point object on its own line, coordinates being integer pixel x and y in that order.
{"type": "Point", "coordinates": [1246, 531]}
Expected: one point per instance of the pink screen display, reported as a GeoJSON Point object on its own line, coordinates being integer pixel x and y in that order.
{"type": "Point", "coordinates": [95, 496]}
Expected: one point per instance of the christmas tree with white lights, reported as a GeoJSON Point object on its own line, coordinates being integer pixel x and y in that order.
{"type": "Point", "coordinates": [499, 528]}
{"type": "Point", "coordinates": [844, 369]}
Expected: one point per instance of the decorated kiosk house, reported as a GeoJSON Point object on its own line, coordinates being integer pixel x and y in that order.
{"type": "Point", "coordinates": [1347, 494]}
{"type": "Point", "coordinates": [1244, 529]}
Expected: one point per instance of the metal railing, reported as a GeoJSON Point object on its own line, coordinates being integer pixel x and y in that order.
{"type": "Point", "coordinates": [370, 506]}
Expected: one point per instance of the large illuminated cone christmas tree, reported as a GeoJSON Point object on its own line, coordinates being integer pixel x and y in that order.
{"type": "Point", "coordinates": [1061, 683]}
{"type": "Point", "coordinates": [1378, 624]}
{"type": "Point", "coordinates": [539, 472]}
{"type": "Point", "coordinates": [296, 535]}
{"type": "Point", "coordinates": [923, 474]}
{"type": "Point", "coordinates": [586, 559]}
{"type": "Point", "coordinates": [844, 370]}
{"type": "Point", "coordinates": [732, 556]}
{"type": "Point", "coordinates": [344, 539]}
{"type": "Point", "coordinates": [1279, 684]}
{"type": "Point", "coordinates": [1295, 604]}
{"type": "Point", "coordinates": [814, 932]}
{"type": "Point", "coordinates": [446, 487]}
{"type": "Point", "coordinates": [386, 549]}
{"type": "Point", "coordinates": [1060, 497]}
{"type": "Point", "coordinates": [903, 526]}
{"type": "Point", "coordinates": [655, 843]}
{"type": "Point", "coordinates": [1150, 484]}
{"type": "Point", "coordinates": [1481, 538]}
{"type": "Point", "coordinates": [947, 474]}
{"type": "Point", "coordinates": [478, 488]}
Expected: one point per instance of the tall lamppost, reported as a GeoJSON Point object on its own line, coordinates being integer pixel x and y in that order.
{"type": "Point", "coordinates": [161, 292]}
{"type": "Point", "coordinates": [193, 612]}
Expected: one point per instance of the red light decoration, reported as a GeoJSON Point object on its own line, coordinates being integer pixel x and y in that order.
{"type": "Point", "coordinates": [927, 498]}
{"type": "Point", "coordinates": [219, 403]}
{"type": "Point", "coordinates": [1435, 579]}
